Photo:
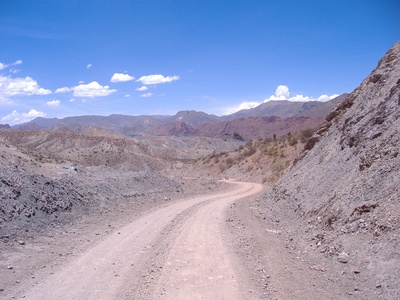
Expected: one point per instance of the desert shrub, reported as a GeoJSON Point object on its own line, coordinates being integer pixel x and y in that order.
{"type": "Point", "coordinates": [277, 167]}
{"type": "Point", "coordinates": [250, 150]}
{"type": "Point", "coordinates": [293, 141]}
{"type": "Point", "coordinates": [272, 151]}
{"type": "Point", "coordinates": [306, 134]}
{"type": "Point", "coordinates": [311, 143]}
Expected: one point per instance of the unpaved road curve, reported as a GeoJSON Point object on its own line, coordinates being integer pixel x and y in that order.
{"type": "Point", "coordinates": [175, 252]}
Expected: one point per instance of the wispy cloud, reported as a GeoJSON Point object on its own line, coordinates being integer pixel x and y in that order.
{"type": "Point", "coordinates": [120, 77]}
{"type": "Point", "coordinates": [4, 66]}
{"type": "Point", "coordinates": [89, 66]}
{"type": "Point", "coordinates": [16, 118]}
{"type": "Point", "coordinates": [241, 106]}
{"type": "Point", "coordinates": [63, 90]}
{"type": "Point", "coordinates": [157, 79]}
{"type": "Point", "coordinates": [90, 90]}
{"type": "Point", "coordinates": [147, 95]}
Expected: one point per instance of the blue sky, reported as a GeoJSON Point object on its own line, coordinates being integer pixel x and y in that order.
{"type": "Point", "coordinates": [98, 57]}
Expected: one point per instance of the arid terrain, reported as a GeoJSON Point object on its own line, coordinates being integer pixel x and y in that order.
{"type": "Point", "coordinates": [302, 205]}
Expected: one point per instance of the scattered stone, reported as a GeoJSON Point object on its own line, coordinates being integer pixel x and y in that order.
{"type": "Point", "coordinates": [356, 271]}
{"type": "Point", "coordinates": [21, 242]}
{"type": "Point", "coordinates": [10, 267]}
{"type": "Point", "coordinates": [343, 258]}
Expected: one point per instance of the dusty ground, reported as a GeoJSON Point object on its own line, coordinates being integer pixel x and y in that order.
{"type": "Point", "coordinates": [172, 250]}
{"type": "Point", "coordinates": [213, 245]}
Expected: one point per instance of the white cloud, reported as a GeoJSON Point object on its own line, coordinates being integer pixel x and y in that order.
{"type": "Point", "coordinates": [17, 118]}
{"type": "Point", "coordinates": [324, 98]}
{"type": "Point", "coordinates": [54, 103]}
{"type": "Point", "coordinates": [146, 95]}
{"type": "Point", "coordinates": [243, 105]}
{"type": "Point", "coordinates": [156, 79]}
{"type": "Point", "coordinates": [142, 88]}
{"type": "Point", "coordinates": [10, 87]}
{"type": "Point", "coordinates": [127, 96]}
{"type": "Point", "coordinates": [89, 66]}
{"type": "Point", "coordinates": [282, 93]}
{"type": "Point", "coordinates": [300, 98]}
{"type": "Point", "coordinates": [90, 90]}
{"type": "Point", "coordinates": [119, 77]}
{"type": "Point", "coordinates": [21, 86]}
{"type": "Point", "coordinates": [63, 90]}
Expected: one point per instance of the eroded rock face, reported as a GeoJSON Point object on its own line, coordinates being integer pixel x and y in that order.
{"type": "Point", "coordinates": [345, 186]}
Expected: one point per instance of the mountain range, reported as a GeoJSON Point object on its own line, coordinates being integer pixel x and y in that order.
{"type": "Point", "coordinates": [272, 117]}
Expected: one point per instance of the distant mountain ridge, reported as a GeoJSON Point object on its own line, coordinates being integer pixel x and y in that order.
{"type": "Point", "coordinates": [190, 122]}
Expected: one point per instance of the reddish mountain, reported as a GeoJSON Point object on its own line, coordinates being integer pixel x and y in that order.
{"type": "Point", "coordinates": [173, 129]}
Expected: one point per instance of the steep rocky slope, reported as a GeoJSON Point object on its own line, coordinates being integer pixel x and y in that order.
{"type": "Point", "coordinates": [340, 201]}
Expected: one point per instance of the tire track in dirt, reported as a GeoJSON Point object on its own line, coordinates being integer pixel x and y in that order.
{"type": "Point", "coordinates": [200, 264]}
{"type": "Point", "coordinates": [107, 269]}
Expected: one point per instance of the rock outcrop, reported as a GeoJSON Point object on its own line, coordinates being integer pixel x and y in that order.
{"type": "Point", "coordinates": [342, 196]}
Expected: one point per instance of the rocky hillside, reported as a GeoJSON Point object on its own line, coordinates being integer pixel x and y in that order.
{"type": "Point", "coordinates": [95, 146]}
{"type": "Point", "coordinates": [37, 193]}
{"type": "Point", "coordinates": [258, 127]}
{"type": "Point", "coordinates": [340, 201]}
{"type": "Point", "coordinates": [51, 178]}
{"type": "Point", "coordinates": [262, 160]}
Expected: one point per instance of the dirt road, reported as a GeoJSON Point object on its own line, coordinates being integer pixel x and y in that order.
{"type": "Point", "coordinates": [177, 251]}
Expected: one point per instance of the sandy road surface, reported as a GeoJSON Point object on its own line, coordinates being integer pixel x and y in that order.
{"type": "Point", "coordinates": [175, 252]}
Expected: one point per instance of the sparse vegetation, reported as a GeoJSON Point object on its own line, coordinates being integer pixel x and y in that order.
{"type": "Point", "coordinates": [264, 160]}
